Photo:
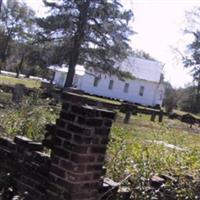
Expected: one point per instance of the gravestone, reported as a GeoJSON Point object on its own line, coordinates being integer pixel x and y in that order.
{"type": "Point", "coordinates": [153, 116]}
{"type": "Point", "coordinates": [129, 109]}
{"type": "Point", "coordinates": [127, 117]}
{"type": "Point", "coordinates": [189, 119]}
{"type": "Point", "coordinates": [18, 93]}
{"type": "Point", "coordinates": [160, 117]}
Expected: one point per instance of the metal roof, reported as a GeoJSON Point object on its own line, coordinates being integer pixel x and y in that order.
{"type": "Point", "coordinates": [80, 70]}
{"type": "Point", "coordinates": [142, 68]}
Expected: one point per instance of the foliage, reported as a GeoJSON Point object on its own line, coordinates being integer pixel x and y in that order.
{"type": "Point", "coordinates": [192, 60]}
{"type": "Point", "coordinates": [93, 33]}
{"type": "Point", "coordinates": [133, 149]}
{"type": "Point", "coordinates": [30, 118]}
{"type": "Point", "coordinates": [143, 54]}
{"type": "Point", "coordinates": [183, 99]}
{"type": "Point", "coordinates": [16, 25]}
{"type": "Point", "coordinates": [170, 100]}
{"type": "Point", "coordinates": [186, 99]}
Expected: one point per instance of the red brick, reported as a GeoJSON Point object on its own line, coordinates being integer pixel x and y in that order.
{"type": "Point", "coordinates": [57, 141]}
{"type": "Point", "coordinates": [73, 167]}
{"type": "Point", "coordinates": [82, 140]}
{"type": "Point", "coordinates": [62, 183]}
{"type": "Point", "coordinates": [102, 131]}
{"type": "Point", "coordinates": [61, 152]}
{"type": "Point", "coordinates": [97, 176]}
{"type": "Point", "coordinates": [100, 158]}
{"type": "Point", "coordinates": [64, 134]}
{"type": "Point", "coordinates": [94, 122]}
{"type": "Point", "coordinates": [77, 158]}
{"type": "Point", "coordinates": [7, 142]}
{"type": "Point", "coordinates": [108, 114]}
{"type": "Point", "coordinates": [81, 120]}
{"type": "Point", "coordinates": [78, 168]}
{"type": "Point", "coordinates": [98, 150]}
{"type": "Point", "coordinates": [60, 123]}
{"type": "Point", "coordinates": [55, 159]}
{"type": "Point", "coordinates": [84, 111]}
{"type": "Point", "coordinates": [75, 148]}
{"type": "Point", "coordinates": [53, 188]}
{"type": "Point", "coordinates": [65, 106]}
{"type": "Point", "coordinates": [66, 164]}
{"type": "Point", "coordinates": [79, 177]}
{"type": "Point", "coordinates": [67, 116]}
{"type": "Point", "coordinates": [108, 123]}
{"type": "Point", "coordinates": [94, 167]}
{"type": "Point", "coordinates": [57, 171]}
{"type": "Point", "coordinates": [91, 185]}
{"type": "Point", "coordinates": [80, 130]}
{"type": "Point", "coordinates": [95, 141]}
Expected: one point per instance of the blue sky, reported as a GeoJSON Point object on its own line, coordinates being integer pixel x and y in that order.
{"type": "Point", "coordinates": [159, 25]}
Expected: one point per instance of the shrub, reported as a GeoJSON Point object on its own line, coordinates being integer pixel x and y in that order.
{"type": "Point", "coordinates": [29, 119]}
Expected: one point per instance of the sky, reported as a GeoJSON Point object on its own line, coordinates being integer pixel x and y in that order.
{"type": "Point", "coordinates": [159, 25]}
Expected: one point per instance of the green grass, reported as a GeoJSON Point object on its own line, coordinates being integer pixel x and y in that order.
{"type": "Point", "coordinates": [133, 150]}
{"type": "Point", "coordinates": [8, 80]}
{"type": "Point", "coordinates": [29, 118]}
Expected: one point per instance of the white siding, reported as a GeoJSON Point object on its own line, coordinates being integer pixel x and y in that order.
{"type": "Point", "coordinates": [148, 98]}
{"type": "Point", "coordinates": [59, 78]}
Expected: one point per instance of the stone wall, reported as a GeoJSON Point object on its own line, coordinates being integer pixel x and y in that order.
{"type": "Point", "coordinates": [28, 166]}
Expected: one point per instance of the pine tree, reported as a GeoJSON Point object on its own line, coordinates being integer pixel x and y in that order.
{"type": "Point", "coordinates": [192, 59]}
{"type": "Point", "coordinates": [90, 32]}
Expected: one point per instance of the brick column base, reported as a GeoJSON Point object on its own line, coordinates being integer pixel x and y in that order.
{"type": "Point", "coordinates": [78, 151]}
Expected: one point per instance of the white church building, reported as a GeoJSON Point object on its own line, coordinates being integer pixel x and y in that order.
{"type": "Point", "coordinates": [145, 88]}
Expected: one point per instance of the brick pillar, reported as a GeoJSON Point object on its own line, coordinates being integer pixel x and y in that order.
{"type": "Point", "coordinates": [78, 151]}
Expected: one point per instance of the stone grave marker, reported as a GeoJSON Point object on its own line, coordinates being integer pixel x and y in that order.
{"type": "Point", "coordinates": [18, 93]}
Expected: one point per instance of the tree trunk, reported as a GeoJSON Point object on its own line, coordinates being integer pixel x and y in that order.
{"type": "Point", "coordinates": [2, 64]}
{"type": "Point", "coordinates": [19, 68]}
{"type": "Point", "coordinates": [198, 97]}
{"type": "Point", "coordinates": [78, 39]}
{"type": "Point", "coordinates": [5, 51]}
{"type": "Point", "coordinates": [0, 5]}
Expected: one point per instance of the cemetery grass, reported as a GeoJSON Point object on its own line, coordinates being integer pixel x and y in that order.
{"type": "Point", "coordinates": [29, 83]}
{"type": "Point", "coordinates": [142, 149]}
{"type": "Point", "coordinates": [29, 118]}
{"type": "Point", "coordinates": [139, 148]}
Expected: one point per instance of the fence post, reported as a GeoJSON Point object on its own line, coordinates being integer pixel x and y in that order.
{"type": "Point", "coordinates": [153, 116]}
{"type": "Point", "coordinates": [160, 118]}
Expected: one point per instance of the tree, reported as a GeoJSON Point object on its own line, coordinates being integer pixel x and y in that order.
{"type": "Point", "coordinates": [192, 60]}
{"type": "Point", "coordinates": [0, 4]}
{"type": "Point", "coordinates": [143, 54]}
{"type": "Point", "coordinates": [92, 32]}
{"type": "Point", "coordinates": [186, 100]}
{"type": "Point", "coordinates": [170, 99]}
{"type": "Point", "coordinates": [16, 23]}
